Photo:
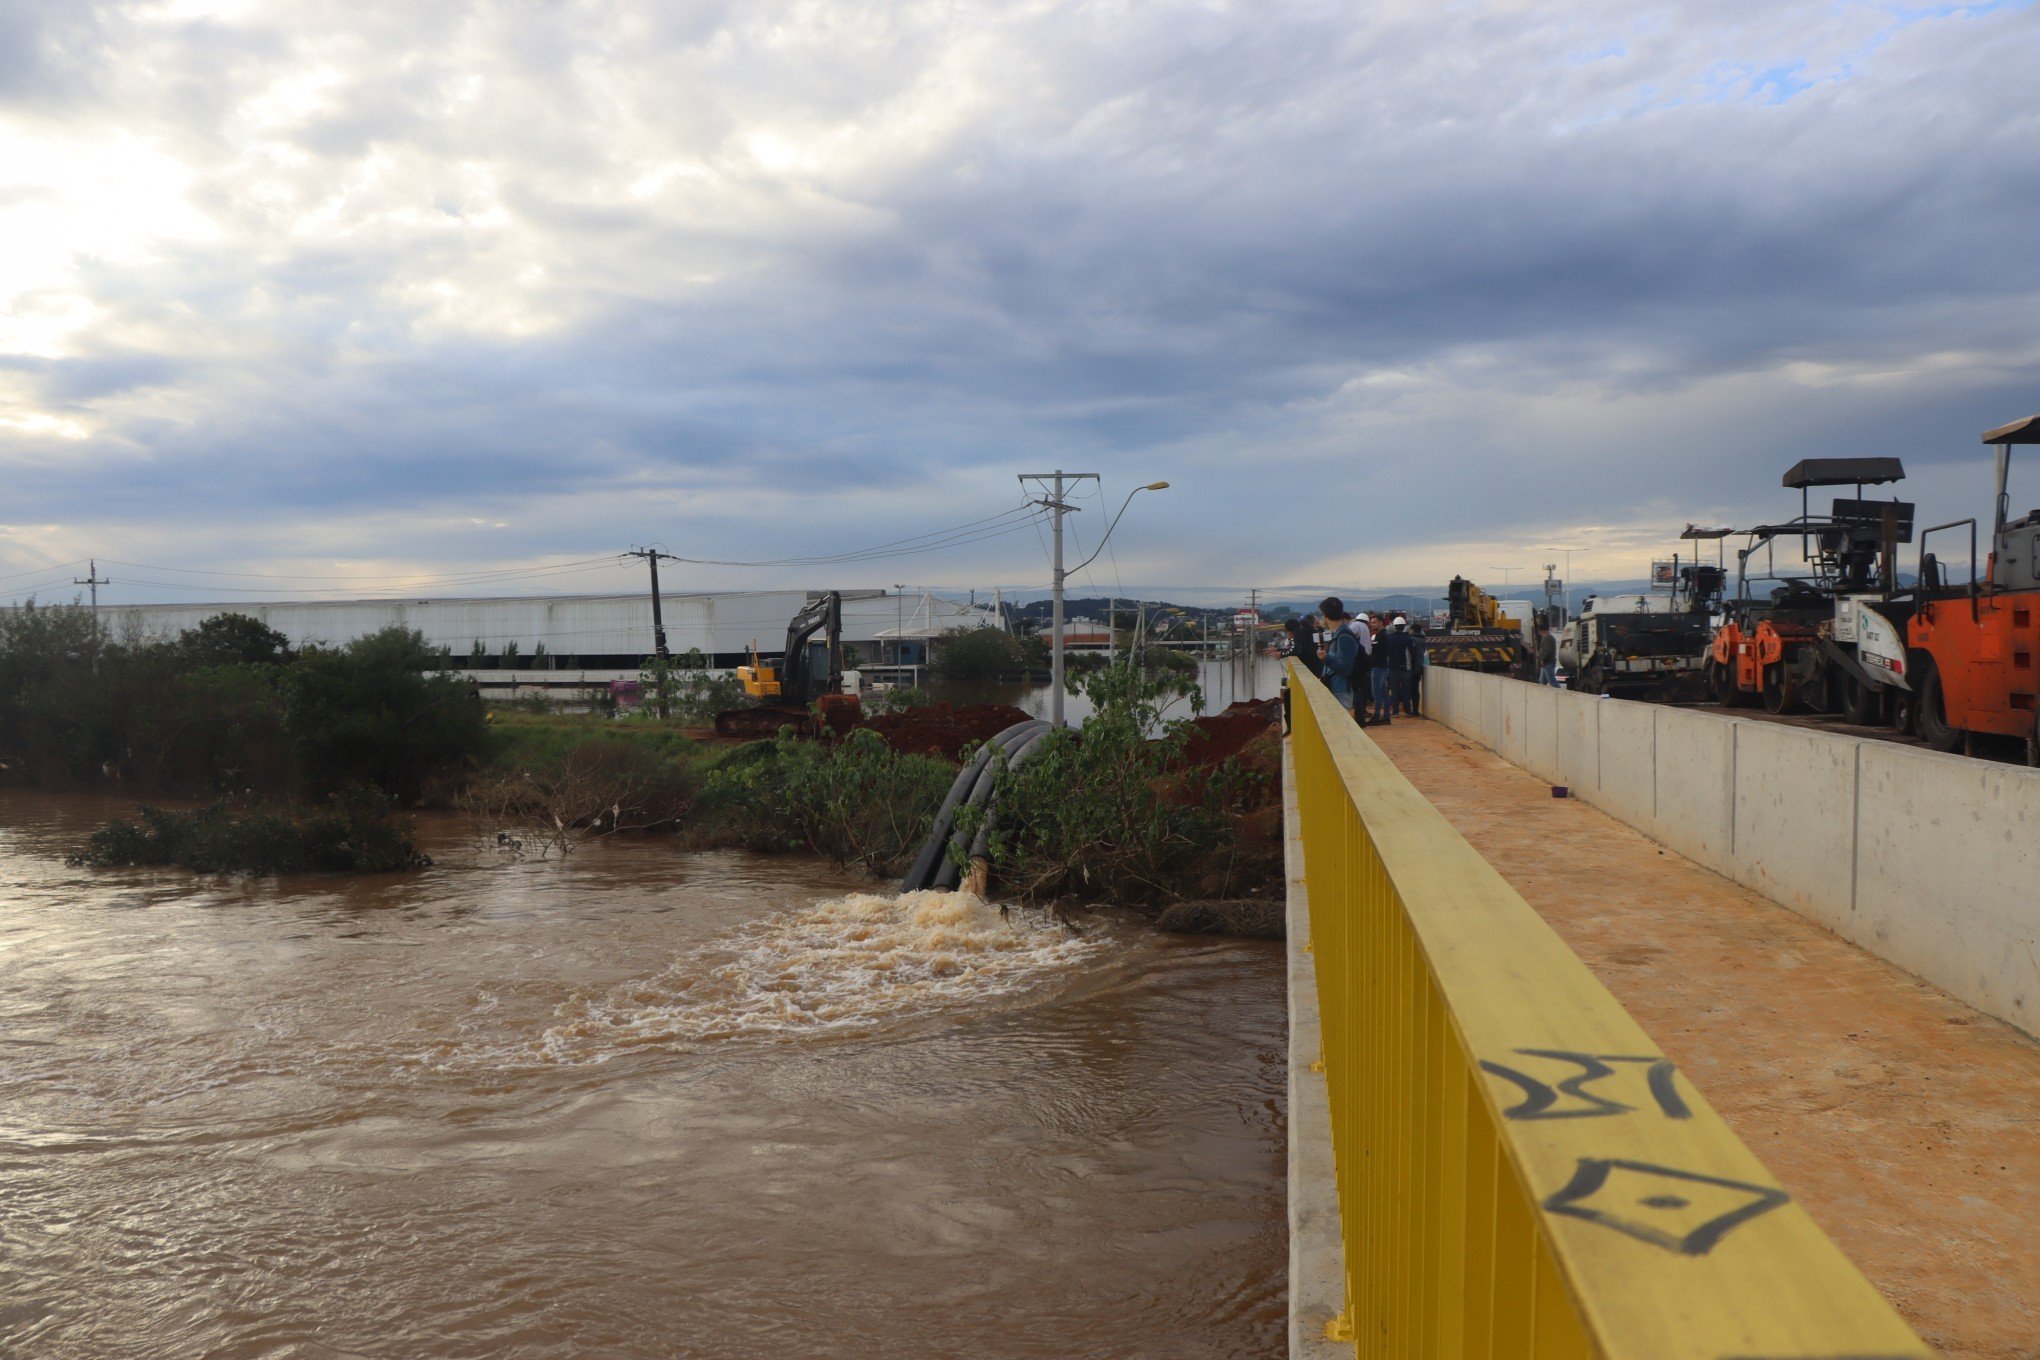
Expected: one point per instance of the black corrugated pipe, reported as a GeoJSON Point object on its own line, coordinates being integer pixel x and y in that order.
{"type": "Point", "coordinates": [928, 862]}
{"type": "Point", "coordinates": [948, 873]}
{"type": "Point", "coordinates": [981, 844]}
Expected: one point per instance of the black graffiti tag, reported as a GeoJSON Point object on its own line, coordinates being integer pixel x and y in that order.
{"type": "Point", "coordinates": [1681, 1211]}
{"type": "Point", "coordinates": [1541, 1099]}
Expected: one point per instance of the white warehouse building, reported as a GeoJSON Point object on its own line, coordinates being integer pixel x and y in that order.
{"type": "Point", "coordinates": [554, 640]}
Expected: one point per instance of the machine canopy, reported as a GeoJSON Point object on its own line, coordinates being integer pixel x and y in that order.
{"type": "Point", "coordinates": [1845, 472]}
{"type": "Point", "coordinates": [2025, 431]}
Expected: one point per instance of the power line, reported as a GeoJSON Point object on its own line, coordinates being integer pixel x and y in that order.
{"type": "Point", "coordinates": [1012, 520]}
{"type": "Point", "coordinates": [992, 527]}
{"type": "Point", "coordinates": [72, 565]}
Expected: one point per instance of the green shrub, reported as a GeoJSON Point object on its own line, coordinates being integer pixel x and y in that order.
{"type": "Point", "coordinates": [860, 802]}
{"type": "Point", "coordinates": [900, 700]}
{"type": "Point", "coordinates": [1102, 810]}
{"type": "Point", "coordinates": [355, 831]}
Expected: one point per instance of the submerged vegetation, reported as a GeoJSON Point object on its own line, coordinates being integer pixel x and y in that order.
{"type": "Point", "coordinates": [857, 802]}
{"type": "Point", "coordinates": [355, 831]}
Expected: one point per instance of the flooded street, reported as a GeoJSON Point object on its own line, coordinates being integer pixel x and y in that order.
{"type": "Point", "coordinates": [1224, 681]}
{"type": "Point", "coordinates": [637, 1103]}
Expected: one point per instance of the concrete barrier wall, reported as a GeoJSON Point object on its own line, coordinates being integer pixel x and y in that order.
{"type": "Point", "coordinates": [1928, 861]}
{"type": "Point", "coordinates": [1579, 744]}
{"type": "Point", "coordinates": [1626, 744]}
{"type": "Point", "coordinates": [1944, 883]}
{"type": "Point", "coordinates": [1795, 818]}
{"type": "Point", "coordinates": [1693, 785]}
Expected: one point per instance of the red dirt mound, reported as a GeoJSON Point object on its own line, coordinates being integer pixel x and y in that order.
{"type": "Point", "coordinates": [944, 729]}
{"type": "Point", "coordinates": [1226, 734]}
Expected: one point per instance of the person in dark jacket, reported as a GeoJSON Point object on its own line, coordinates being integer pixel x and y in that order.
{"type": "Point", "coordinates": [1303, 643]}
{"type": "Point", "coordinates": [1394, 651]}
{"type": "Point", "coordinates": [1419, 659]}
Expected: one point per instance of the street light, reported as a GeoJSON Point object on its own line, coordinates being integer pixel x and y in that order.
{"type": "Point", "coordinates": [1055, 668]}
{"type": "Point", "coordinates": [899, 623]}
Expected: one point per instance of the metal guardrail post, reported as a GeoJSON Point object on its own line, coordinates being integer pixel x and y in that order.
{"type": "Point", "coordinates": [1521, 1173]}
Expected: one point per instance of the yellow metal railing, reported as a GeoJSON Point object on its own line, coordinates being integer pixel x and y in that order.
{"type": "Point", "coordinates": [1520, 1172]}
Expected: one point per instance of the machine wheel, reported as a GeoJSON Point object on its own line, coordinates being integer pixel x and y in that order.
{"type": "Point", "coordinates": [1905, 707]}
{"type": "Point", "coordinates": [1860, 702]}
{"type": "Point", "coordinates": [1933, 715]}
{"type": "Point", "coordinates": [1721, 684]}
{"type": "Point", "coordinates": [1777, 694]}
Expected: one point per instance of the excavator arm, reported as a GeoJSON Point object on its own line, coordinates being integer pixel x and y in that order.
{"type": "Point", "coordinates": [796, 685]}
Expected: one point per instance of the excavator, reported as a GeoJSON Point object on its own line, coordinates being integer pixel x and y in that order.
{"type": "Point", "coordinates": [783, 688]}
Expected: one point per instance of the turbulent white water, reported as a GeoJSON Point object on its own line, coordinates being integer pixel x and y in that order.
{"type": "Point", "coordinates": [847, 964]}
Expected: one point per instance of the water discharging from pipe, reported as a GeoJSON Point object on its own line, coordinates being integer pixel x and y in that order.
{"type": "Point", "coordinates": [848, 964]}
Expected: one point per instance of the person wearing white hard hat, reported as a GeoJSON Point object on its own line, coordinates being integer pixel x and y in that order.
{"type": "Point", "coordinates": [1396, 649]}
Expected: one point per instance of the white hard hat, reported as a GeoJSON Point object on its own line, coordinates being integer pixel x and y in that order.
{"type": "Point", "coordinates": [1401, 622]}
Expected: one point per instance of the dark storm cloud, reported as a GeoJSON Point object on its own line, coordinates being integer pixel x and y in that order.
{"type": "Point", "coordinates": [1498, 273]}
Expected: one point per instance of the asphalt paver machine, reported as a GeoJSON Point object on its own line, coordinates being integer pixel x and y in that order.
{"type": "Point", "coordinates": [1829, 637]}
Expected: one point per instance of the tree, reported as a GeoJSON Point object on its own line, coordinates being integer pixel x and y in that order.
{"type": "Point", "coordinates": [369, 713]}
{"type": "Point", "coordinates": [55, 723]}
{"type": "Point", "coordinates": [234, 639]}
{"type": "Point", "coordinates": [977, 654]}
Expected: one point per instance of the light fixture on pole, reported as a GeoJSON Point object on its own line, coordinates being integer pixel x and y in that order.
{"type": "Point", "coordinates": [1055, 503]}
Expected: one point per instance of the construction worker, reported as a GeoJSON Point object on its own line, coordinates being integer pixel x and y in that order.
{"type": "Point", "coordinates": [1547, 655]}
{"type": "Point", "coordinates": [1393, 666]}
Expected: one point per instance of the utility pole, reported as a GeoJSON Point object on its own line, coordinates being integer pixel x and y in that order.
{"type": "Point", "coordinates": [1253, 641]}
{"type": "Point", "coordinates": [95, 580]}
{"type": "Point", "coordinates": [652, 556]}
{"type": "Point", "coordinates": [1060, 507]}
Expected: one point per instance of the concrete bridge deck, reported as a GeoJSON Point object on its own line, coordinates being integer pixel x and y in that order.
{"type": "Point", "coordinates": [1907, 1122]}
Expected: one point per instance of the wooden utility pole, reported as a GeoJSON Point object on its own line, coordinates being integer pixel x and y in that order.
{"type": "Point", "coordinates": [95, 580]}
{"type": "Point", "coordinates": [652, 556]}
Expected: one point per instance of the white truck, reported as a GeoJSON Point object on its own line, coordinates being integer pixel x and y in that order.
{"type": "Point", "coordinates": [1637, 647]}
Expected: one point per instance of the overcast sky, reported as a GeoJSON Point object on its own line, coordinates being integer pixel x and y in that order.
{"type": "Point", "coordinates": [354, 294]}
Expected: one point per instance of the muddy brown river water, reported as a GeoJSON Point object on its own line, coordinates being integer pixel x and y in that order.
{"type": "Point", "coordinates": [637, 1103]}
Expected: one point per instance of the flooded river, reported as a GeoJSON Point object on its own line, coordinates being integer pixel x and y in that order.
{"type": "Point", "coordinates": [637, 1103]}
